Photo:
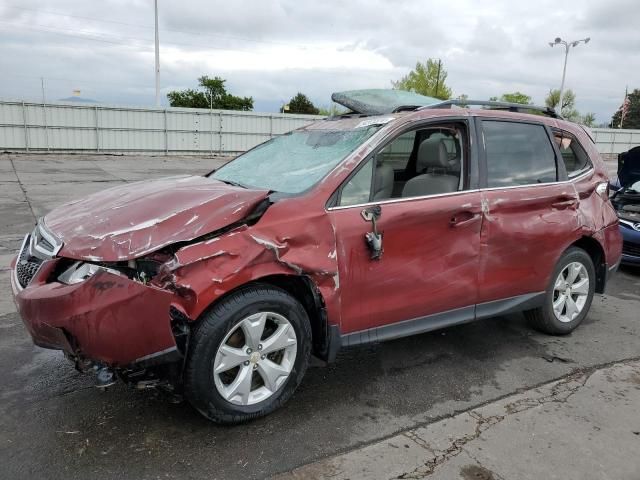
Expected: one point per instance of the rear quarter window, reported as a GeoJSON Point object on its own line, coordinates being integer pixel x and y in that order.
{"type": "Point", "coordinates": [518, 154]}
{"type": "Point", "coordinates": [575, 158]}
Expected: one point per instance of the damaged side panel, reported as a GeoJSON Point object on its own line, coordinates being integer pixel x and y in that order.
{"type": "Point", "coordinates": [201, 272]}
{"type": "Point", "coordinates": [525, 231]}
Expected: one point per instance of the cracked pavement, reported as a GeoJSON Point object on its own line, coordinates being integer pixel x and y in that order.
{"type": "Point", "coordinates": [54, 424]}
{"type": "Point", "coordinates": [584, 426]}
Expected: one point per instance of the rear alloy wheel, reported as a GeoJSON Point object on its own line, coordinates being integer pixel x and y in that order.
{"type": "Point", "coordinates": [247, 355]}
{"type": "Point", "coordinates": [569, 296]}
{"type": "Point", "coordinates": [570, 292]}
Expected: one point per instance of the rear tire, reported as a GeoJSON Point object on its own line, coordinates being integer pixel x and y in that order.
{"type": "Point", "coordinates": [247, 355]}
{"type": "Point", "coordinates": [568, 296]}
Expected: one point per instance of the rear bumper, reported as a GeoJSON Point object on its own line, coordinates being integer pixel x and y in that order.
{"type": "Point", "coordinates": [611, 270]}
{"type": "Point", "coordinates": [610, 239]}
{"type": "Point", "coordinates": [107, 318]}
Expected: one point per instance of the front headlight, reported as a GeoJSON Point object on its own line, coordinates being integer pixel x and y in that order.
{"type": "Point", "coordinates": [80, 271]}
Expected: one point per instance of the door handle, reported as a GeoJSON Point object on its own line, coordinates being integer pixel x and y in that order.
{"type": "Point", "coordinates": [463, 218]}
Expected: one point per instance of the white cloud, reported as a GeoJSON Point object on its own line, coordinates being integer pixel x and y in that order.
{"type": "Point", "coordinates": [271, 50]}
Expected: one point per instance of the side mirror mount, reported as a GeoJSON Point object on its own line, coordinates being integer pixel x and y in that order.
{"type": "Point", "coordinates": [373, 239]}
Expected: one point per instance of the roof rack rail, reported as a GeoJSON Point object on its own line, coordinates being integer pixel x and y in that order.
{"type": "Point", "coordinates": [510, 107]}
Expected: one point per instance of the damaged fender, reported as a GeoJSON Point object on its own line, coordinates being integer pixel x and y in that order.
{"type": "Point", "coordinates": [204, 271]}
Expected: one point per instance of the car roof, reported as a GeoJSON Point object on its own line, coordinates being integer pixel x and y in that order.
{"type": "Point", "coordinates": [351, 121]}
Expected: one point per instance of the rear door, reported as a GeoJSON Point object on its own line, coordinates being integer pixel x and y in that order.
{"type": "Point", "coordinates": [529, 211]}
{"type": "Point", "coordinates": [429, 262]}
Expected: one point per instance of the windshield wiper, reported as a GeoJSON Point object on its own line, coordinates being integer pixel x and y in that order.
{"type": "Point", "coordinates": [231, 182]}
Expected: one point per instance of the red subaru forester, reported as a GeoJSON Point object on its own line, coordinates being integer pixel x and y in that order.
{"type": "Point", "coordinates": [397, 218]}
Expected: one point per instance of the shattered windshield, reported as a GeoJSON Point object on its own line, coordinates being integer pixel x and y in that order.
{"type": "Point", "coordinates": [295, 161]}
{"type": "Point", "coordinates": [381, 101]}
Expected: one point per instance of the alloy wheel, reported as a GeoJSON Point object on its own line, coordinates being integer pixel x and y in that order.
{"type": "Point", "coordinates": [255, 358]}
{"type": "Point", "coordinates": [570, 292]}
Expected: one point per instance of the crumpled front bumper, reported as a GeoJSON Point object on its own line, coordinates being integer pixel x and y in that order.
{"type": "Point", "coordinates": [107, 318]}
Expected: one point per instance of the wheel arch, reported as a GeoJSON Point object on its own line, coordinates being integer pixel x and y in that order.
{"type": "Point", "coordinates": [596, 251]}
{"type": "Point", "coordinates": [325, 337]}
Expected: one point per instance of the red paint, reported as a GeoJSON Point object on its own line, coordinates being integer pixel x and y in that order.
{"type": "Point", "coordinates": [132, 220]}
{"type": "Point", "coordinates": [427, 266]}
{"type": "Point", "coordinates": [508, 246]}
{"type": "Point", "coordinates": [111, 318]}
{"type": "Point", "coordinates": [523, 234]}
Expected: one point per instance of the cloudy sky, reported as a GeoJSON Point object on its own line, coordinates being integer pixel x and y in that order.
{"type": "Point", "coordinates": [271, 49]}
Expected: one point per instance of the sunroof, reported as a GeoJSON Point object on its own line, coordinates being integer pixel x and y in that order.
{"type": "Point", "coordinates": [380, 101]}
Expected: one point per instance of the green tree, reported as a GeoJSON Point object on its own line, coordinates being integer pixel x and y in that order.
{"type": "Point", "coordinates": [568, 109]}
{"type": "Point", "coordinates": [463, 97]}
{"type": "Point", "coordinates": [515, 97]}
{"type": "Point", "coordinates": [427, 78]}
{"type": "Point", "coordinates": [213, 95]}
{"type": "Point", "coordinates": [632, 118]}
{"type": "Point", "coordinates": [300, 103]}
{"type": "Point", "coordinates": [331, 110]}
{"type": "Point", "coordinates": [588, 119]}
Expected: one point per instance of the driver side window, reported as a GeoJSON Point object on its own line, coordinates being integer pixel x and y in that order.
{"type": "Point", "coordinates": [416, 163]}
{"type": "Point", "coordinates": [358, 188]}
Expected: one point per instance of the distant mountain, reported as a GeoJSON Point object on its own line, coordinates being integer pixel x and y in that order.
{"type": "Point", "coordinates": [78, 99]}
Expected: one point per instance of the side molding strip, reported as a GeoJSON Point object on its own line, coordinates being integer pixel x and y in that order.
{"type": "Point", "coordinates": [449, 318]}
{"type": "Point", "coordinates": [410, 327]}
{"type": "Point", "coordinates": [509, 305]}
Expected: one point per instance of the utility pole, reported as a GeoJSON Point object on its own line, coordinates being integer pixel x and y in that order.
{"type": "Point", "coordinates": [44, 100]}
{"type": "Point", "coordinates": [155, 3]}
{"type": "Point", "coordinates": [567, 46]}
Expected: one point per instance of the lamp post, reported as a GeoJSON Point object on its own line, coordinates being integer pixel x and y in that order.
{"type": "Point", "coordinates": [567, 46]}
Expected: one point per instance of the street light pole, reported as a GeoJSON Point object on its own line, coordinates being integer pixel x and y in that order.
{"type": "Point", "coordinates": [564, 74]}
{"type": "Point", "coordinates": [567, 46]}
{"type": "Point", "coordinates": [155, 3]}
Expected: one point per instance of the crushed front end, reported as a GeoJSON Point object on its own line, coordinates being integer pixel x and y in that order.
{"type": "Point", "coordinates": [109, 318]}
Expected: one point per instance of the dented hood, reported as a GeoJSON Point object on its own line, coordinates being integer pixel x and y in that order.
{"type": "Point", "coordinates": [132, 220]}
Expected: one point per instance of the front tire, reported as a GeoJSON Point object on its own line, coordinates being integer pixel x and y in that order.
{"type": "Point", "coordinates": [568, 296]}
{"type": "Point", "coordinates": [247, 355]}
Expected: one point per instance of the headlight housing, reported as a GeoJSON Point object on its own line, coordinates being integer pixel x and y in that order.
{"type": "Point", "coordinates": [81, 271]}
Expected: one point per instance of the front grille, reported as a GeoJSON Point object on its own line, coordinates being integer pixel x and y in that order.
{"type": "Point", "coordinates": [26, 266]}
{"type": "Point", "coordinates": [632, 249]}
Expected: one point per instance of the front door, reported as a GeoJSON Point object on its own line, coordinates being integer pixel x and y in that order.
{"type": "Point", "coordinates": [430, 241]}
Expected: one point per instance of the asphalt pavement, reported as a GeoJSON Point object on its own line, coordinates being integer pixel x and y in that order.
{"type": "Point", "coordinates": [55, 424]}
{"type": "Point", "coordinates": [582, 427]}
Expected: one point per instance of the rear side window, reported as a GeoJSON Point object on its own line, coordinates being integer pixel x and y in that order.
{"type": "Point", "coordinates": [576, 160]}
{"type": "Point", "coordinates": [518, 154]}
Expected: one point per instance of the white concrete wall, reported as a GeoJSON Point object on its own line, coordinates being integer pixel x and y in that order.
{"type": "Point", "coordinates": [612, 141]}
{"type": "Point", "coordinates": [69, 127]}
{"type": "Point", "coordinates": [73, 127]}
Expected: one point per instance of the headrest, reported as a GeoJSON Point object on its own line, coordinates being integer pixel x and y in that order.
{"type": "Point", "coordinates": [432, 153]}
